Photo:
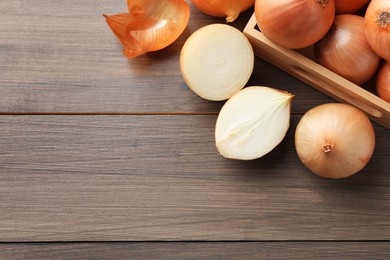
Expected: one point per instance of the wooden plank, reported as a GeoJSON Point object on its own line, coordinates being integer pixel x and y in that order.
{"type": "Point", "coordinates": [60, 56]}
{"type": "Point", "coordinates": [199, 250]}
{"type": "Point", "coordinates": [119, 178]}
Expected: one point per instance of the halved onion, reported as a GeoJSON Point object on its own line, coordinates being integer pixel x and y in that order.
{"type": "Point", "coordinates": [253, 122]}
{"type": "Point", "coordinates": [216, 61]}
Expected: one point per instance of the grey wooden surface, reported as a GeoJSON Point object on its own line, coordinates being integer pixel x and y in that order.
{"type": "Point", "coordinates": [199, 250]}
{"type": "Point", "coordinates": [95, 148]}
{"type": "Point", "coordinates": [148, 177]}
{"type": "Point", "coordinates": [60, 56]}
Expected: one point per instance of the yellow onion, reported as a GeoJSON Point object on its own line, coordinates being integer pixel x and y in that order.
{"type": "Point", "coordinates": [349, 6]}
{"type": "Point", "coordinates": [150, 25]}
{"type": "Point", "coordinates": [377, 27]}
{"type": "Point", "coordinates": [383, 81]}
{"type": "Point", "coordinates": [346, 51]}
{"type": "Point", "coordinates": [335, 140]}
{"type": "Point", "coordinates": [223, 8]}
{"type": "Point", "coordinates": [294, 23]}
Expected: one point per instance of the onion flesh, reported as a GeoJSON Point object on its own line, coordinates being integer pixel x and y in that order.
{"type": "Point", "coordinates": [346, 51]}
{"type": "Point", "coordinates": [335, 140]}
{"type": "Point", "coordinates": [223, 8]}
{"type": "Point", "coordinates": [252, 122]}
{"type": "Point", "coordinates": [383, 82]}
{"type": "Point", "coordinates": [216, 61]}
{"type": "Point", "coordinates": [149, 25]}
{"type": "Point", "coordinates": [377, 27]}
{"type": "Point", "coordinates": [294, 23]}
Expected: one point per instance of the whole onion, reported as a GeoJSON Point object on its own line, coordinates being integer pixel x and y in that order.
{"type": "Point", "coordinates": [335, 140]}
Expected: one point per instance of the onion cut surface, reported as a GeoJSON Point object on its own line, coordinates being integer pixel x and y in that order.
{"type": "Point", "coordinates": [253, 122]}
{"type": "Point", "coordinates": [216, 61]}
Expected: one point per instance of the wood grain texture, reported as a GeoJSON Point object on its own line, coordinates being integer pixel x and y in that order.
{"type": "Point", "coordinates": [113, 149]}
{"type": "Point", "coordinates": [60, 56]}
{"type": "Point", "coordinates": [159, 178]}
{"type": "Point", "coordinates": [225, 251]}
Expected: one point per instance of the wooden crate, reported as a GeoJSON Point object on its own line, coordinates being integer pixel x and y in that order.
{"type": "Point", "coordinates": [301, 65]}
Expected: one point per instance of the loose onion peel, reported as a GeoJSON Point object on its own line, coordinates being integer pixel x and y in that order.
{"type": "Point", "coordinates": [149, 25]}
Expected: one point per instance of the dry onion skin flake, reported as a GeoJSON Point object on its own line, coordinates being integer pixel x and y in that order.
{"type": "Point", "coordinates": [216, 61]}
{"type": "Point", "coordinates": [334, 140]}
{"type": "Point", "coordinates": [149, 25]}
{"type": "Point", "coordinates": [252, 122]}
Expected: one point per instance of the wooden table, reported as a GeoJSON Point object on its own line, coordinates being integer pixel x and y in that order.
{"type": "Point", "coordinates": [106, 157]}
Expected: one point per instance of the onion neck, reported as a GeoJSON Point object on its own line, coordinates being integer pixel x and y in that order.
{"type": "Point", "coordinates": [327, 148]}
{"type": "Point", "coordinates": [322, 3]}
{"type": "Point", "coordinates": [383, 19]}
{"type": "Point", "coordinates": [232, 16]}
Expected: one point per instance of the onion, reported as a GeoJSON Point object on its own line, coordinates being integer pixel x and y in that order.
{"type": "Point", "coordinates": [150, 25]}
{"type": "Point", "coordinates": [345, 50]}
{"type": "Point", "coordinates": [383, 82]}
{"type": "Point", "coordinates": [349, 6]}
{"type": "Point", "coordinates": [252, 123]}
{"type": "Point", "coordinates": [377, 27]}
{"type": "Point", "coordinates": [334, 140]}
{"type": "Point", "coordinates": [216, 61]}
{"type": "Point", "coordinates": [294, 23]}
{"type": "Point", "coordinates": [223, 8]}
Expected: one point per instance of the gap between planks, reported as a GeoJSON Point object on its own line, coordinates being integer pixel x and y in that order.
{"type": "Point", "coordinates": [194, 241]}
{"type": "Point", "coordinates": [175, 113]}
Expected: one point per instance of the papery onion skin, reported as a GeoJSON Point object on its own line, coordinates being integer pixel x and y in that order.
{"type": "Point", "coordinates": [294, 23]}
{"type": "Point", "coordinates": [149, 25]}
{"type": "Point", "coordinates": [335, 140]}
{"type": "Point", "coordinates": [377, 27]}
{"type": "Point", "coordinates": [383, 82]}
{"type": "Point", "coordinates": [346, 51]}
{"type": "Point", "coordinates": [230, 9]}
{"type": "Point", "coordinates": [349, 6]}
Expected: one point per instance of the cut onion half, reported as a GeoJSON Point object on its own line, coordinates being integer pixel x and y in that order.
{"type": "Point", "coordinates": [216, 61]}
{"type": "Point", "coordinates": [253, 122]}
